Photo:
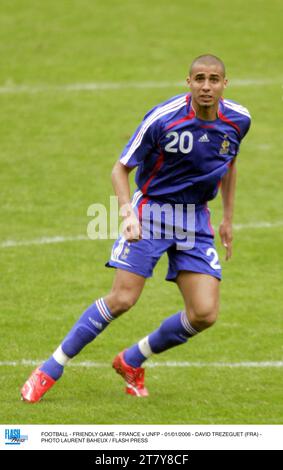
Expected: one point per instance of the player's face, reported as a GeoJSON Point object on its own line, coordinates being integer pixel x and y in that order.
{"type": "Point", "coordinates": [207, 83]}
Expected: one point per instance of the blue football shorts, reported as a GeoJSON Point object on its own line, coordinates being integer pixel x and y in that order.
{"type": "Point", "coordinates": [185, 235]}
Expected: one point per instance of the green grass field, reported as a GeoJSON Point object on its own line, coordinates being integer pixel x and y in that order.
{"type": "Point", "coordinates": [58, 146]}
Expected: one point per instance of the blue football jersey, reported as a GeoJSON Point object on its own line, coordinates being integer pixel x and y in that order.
{"type": "Point", "coordinates": [181, 158]}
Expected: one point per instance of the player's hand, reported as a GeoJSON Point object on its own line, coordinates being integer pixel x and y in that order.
{"type": "Point", "coordinates": [226, 235]}
{"type": "Point", "coordinates": [131, 228]}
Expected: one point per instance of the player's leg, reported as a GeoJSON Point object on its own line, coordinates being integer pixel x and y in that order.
{"type": "Point", "coordinates": [125, 291]}
{"type": "Point", "coordinates": [197, 273]}
{"type": "Point", "coordinates": [201, 297]}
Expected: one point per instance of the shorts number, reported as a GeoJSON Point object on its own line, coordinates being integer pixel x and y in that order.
{"type": "Point", "coordinates": [215, 261]}
{"type": "Point", "coordinates": [182, 142]}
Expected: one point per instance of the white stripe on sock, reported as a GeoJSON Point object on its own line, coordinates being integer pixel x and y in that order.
{"type": "Point", "coordinates": [186, 324]}
{"type": "Point", "coordinates": [144, 347]}
{"type": "Point", "coordinates": [107, 310]}
{"type": "Point", "coordinates": [100, 309]}
{"type": "Point", "coordinates": [60, 356]}
{"type": "Point", "coordinates": [103, 311]}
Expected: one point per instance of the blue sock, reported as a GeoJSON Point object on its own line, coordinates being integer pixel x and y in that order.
{"type": "Point", "coordinates": [52, 368]}
{"type": "Point", "coordinates": [173, 331]}
{"type": "Point", "coordinates": [92, 322]}
{"type": "Point", "coordinates": [134, 357]}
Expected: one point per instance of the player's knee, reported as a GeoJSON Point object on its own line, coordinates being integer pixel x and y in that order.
{"type": "Point", "coordinates": [208, 320]}
{"type": "Point", "coordinates": [204, 316]}
{"type": "Point", "coordinates": [123, 301]}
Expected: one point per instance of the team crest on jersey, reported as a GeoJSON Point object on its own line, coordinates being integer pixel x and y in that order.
{"type": "Point", "coordinates": [225, 145]}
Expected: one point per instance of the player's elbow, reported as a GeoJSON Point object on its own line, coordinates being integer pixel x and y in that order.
{"type": "Point", "coordinates": [119, 170]}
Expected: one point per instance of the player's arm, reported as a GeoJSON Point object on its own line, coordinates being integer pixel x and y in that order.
{"type": "Point", "coordinates": [140, 145]}
{"type": "Point", "coordinates": [228, 188]}
{"type": "Point", "coordinates": [121, 185]}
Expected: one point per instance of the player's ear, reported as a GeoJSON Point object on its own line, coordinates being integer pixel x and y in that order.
{"type": "Point", "coordinates": [225, 82]}
{"type": "Point", "coordinates": [188, 80]}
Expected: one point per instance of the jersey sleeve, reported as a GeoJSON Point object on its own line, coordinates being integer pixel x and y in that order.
{"type": "Point", "coordinates": [246, 124]}
{"type": "Point", "coordinates": [143, 141]}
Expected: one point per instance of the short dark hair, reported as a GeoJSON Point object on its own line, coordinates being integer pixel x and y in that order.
{"type": "Point", "coordinates": [208, 59]}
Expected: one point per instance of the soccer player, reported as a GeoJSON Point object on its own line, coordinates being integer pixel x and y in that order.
{"type": "Point", "coordinates": [183, 150]}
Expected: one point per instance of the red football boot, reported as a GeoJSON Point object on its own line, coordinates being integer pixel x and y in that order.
{"type": "Point", "coordinates": [134, 376]}
{"type": "Point", "coordinates": [36, 386]}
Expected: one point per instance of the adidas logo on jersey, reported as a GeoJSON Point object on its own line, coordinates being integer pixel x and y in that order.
{"type": "Point", "coordinates": [204, 138]}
